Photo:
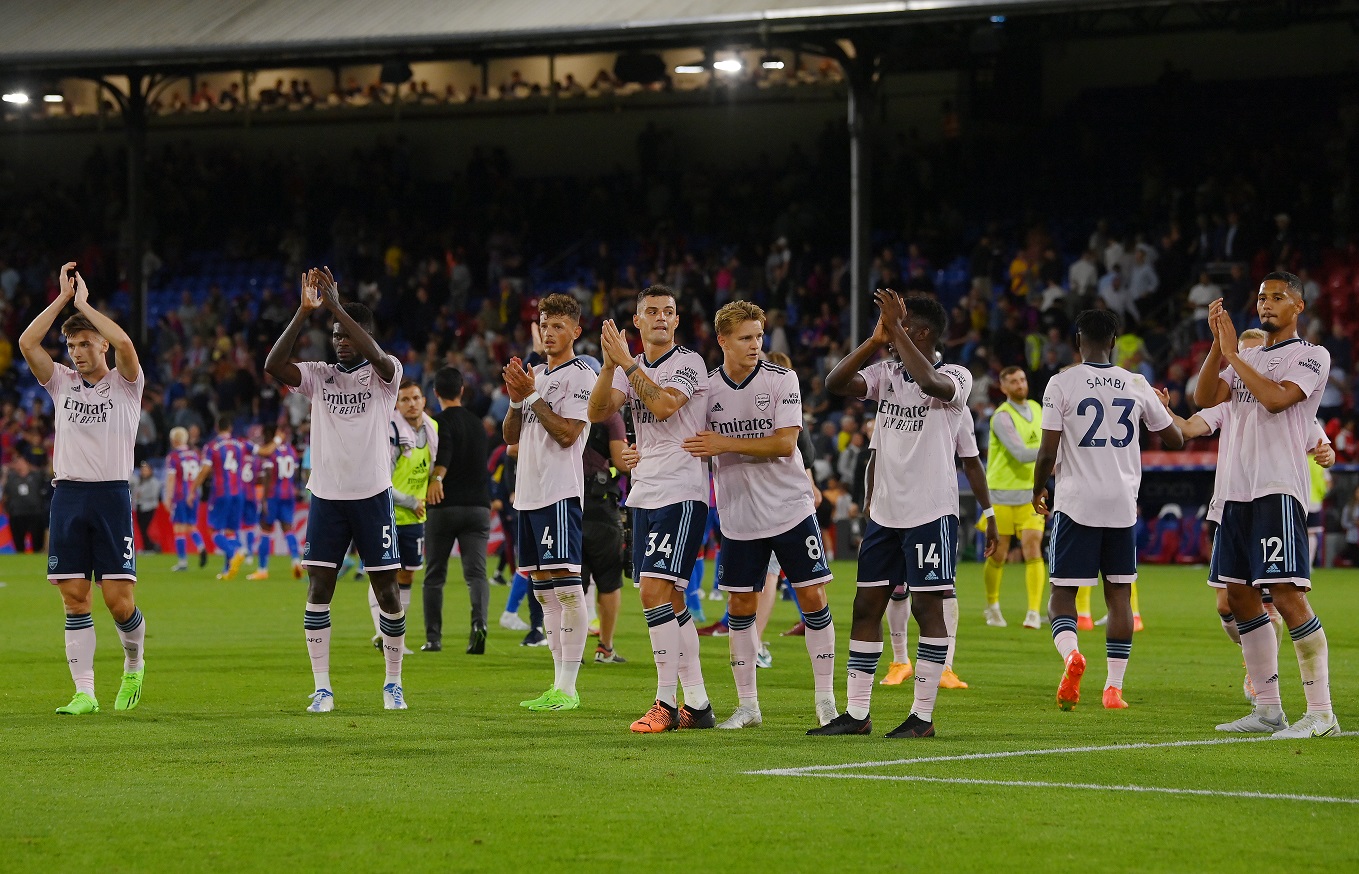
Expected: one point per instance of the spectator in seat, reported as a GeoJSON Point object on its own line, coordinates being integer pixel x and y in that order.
{"type": "Point", "coordinates": [1204, 292]}
{"type": "Point", "coordinates": [1349, 520]}
{"type": "Point", "coordinates": [1083, 278]}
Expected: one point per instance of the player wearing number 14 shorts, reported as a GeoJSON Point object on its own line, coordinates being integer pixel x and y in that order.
{"type": "Point", "coordinates": [1091, 415]}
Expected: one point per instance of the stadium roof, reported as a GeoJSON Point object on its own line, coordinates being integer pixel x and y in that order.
{"type": "Point", "coordinates": [74, 36]}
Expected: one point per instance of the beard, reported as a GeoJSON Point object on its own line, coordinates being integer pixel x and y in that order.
{"type": "Point", "coordinates": [1269, 325]}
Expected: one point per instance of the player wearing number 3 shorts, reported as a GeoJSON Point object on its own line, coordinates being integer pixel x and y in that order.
{"type": "Point", "coordinates": [754, 416]}
{"type": "Point", "coordinates": [1091, 416]}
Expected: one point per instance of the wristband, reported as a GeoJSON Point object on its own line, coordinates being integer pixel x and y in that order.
{"type": "Point", "coordinates": [532, 399]}
{"type": "Point", "coordinates": [629, 371]}
{"type": "Point", "coordinates": [515, 405]}
{"type": "Point", "coordinates": [989, 513]}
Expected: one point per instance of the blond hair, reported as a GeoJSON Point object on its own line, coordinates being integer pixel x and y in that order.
{"type": "Point", "coordinates": [735, 314]}
{"type": "Point", "coordinates": [1253, 334]}
{"type": "Point", "coordinates": [179, 436]}
{"type": "Point", "coordinates": [778, 358]}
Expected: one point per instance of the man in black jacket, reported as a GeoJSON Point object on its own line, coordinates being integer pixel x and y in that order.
{"type": "Point", "coordinates": [459, 510]}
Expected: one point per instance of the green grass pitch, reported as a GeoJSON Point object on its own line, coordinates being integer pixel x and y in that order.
{"type": "Point", "coordinates": [219, 769]}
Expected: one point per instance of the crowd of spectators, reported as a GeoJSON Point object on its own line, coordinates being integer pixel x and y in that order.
{"type": "Point", "coordinates": [454, 271]}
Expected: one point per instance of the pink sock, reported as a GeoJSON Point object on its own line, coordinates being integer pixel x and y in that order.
{"type": "Point", "coordinates": [552, 627]}
{"type": "Point", "coordinates": [929, 667]}
{"type": "Point", "coordinates": [1261, 649]}
{"type": "Point", "coordinates": [863, 664]}
{"type": "Point", "coordinates": [316, 621]}
{"type": "Point", "coordinates": [821, 648]}
{"type": "Point", "coordinates": [80, 651]}
{"type": "Point", "coordinates": [743, 645]}
{"type": "Point", "coordinates": [898, 614]}
{"type": "Point", "coordinates": [393, 642]}
{"type": "Point", "coordinates": [575, 630]}
{"type": "Point", "coordinates": [1309, 639]}
{"type": "Point", "coordinates": [690, 669]}
{"type": "Point", "coordinates": [665, 648]}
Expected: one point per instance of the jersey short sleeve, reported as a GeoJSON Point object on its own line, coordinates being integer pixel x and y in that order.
{"type": "Point", "coordinates": [1308, 369]}
{"type": "Point", "coordinates": [690, 380]}
{"type": "Point", "coordinates": [965, 444]}
{"type": "Point", "coordinates": [873, 375]}
{"type": "Point", "coordinates": [787, 402]}
{"type": "Point", "coordinates": [310, 375]}
{"type": "Point", "coordinates": [1154, 413]}
{"type": "Point", "coordinates": [621, 382]}
{"type": "Point", "coordinates": [60, 372]}
{"type": "Point", "coordinates": [576, 395]}
{"type": "Point", "coordinates": [962, 385]}
{"type": "Point", "coordinates": [1054, 406]}
{"type": "Point", "coordinates": [1214, 416]}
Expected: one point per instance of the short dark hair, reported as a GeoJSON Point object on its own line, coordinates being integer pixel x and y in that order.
{"type": "Point", "coordinates": [225, 422]}
{"type": "Point", "coordinates": [361, 314]}
{"type": "Point", "coordinates": [1097, 326]}
{"type": "Point", "coordinates": [77, 323]}
{"type": "Point", "coordinates": [448, 383]}
{"type": "Point", "coordinates": [560, 305]}
{"type": "Point", "coordinates": [657, 290]}
{"type": "Point", "coordinates": [1013, 368]}
{"type": "Point", "coordinates": [409, 383]}
{"type": "Point", "coordinates": [928, 309]}
{"type": "Point", "coordinates": [268, 432]}
{"type": "Point", "coordinates": [1294, 283]}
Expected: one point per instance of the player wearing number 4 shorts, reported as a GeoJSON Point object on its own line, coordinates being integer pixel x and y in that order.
{"type": "Point", "coordinates": [1091, 416]}
{"type": "Point", "coordinates": [351, 484]}
{"type": "Point", "coordinates": [547, 420]}
{"type": "Point", "coordinates": [96, 412]}
{"type": "Point", "coordinates": [667, 387]}
{"type": "Point", "coordinates": [1274, 392]}
{"type": "Point", "coordinates": [912, 531]}
{"type": "Point", "coordinates": [766, 502]}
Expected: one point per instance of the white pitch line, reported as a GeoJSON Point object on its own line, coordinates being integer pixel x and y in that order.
{"type": "Point", "coordinates": [1280, 796]}
{"type": "Point", "coordinates": [807, 769]}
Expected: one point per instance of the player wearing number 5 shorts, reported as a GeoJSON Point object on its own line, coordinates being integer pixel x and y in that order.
{"type": "Point", "coordinates": [1274, 392]}
{"type": "Point", "coordinates": [96, 412]}
{"type": "Point", "coordinates": [547, 420]}
{"type": "Point", "coordinates": [912, 532]}
{"type": "Point", "coordinates": [351, 476]}
{"type": "Point", "coordinates": [666, 386]}
{"type": "Point", "coordinates": [766, 502]}
{"type": "Point", "coordinates": [1091, 417]}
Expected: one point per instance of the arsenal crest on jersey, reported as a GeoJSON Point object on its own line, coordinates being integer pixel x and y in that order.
{"type": "Point", "coordinates": [103, 390]}
{"type": "Point", "coordinates": [762, 401]}
{"type": "Point", "coordinates": [365, 377]}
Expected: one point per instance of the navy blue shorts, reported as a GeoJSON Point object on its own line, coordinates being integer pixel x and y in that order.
{"type": "Point", "coordinates": [666, 541]}
{"type": "Point", "coordinates": [224, 513]}
{"type": "Point", "coordinates": [1262, 543]}
{"type": "Point", "coordinates": [184, 514]}
{"type": "Point", "coordinates": [548, 539]}
{"type": "Point", "coordinates": [369, 523]}
{"type": "Point", "coordinates": [923, 558]}
{"type": "Point", "coordinates": [1078, 554]}
{"type": "Point", "coordinates": [743, 564]}
{"type": "Point", "coordinates": [281, 511]}
{"type": "Point", "coordinates": [250, 513]}
{"type": "Point", "coordinates": [91, 533]}
{"type": "Point", "coordinates": [410, 541]}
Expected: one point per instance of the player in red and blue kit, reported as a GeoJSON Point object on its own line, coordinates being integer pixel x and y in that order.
{"type": "Point", "coordinates": [252, 473]}
{"type": "Point", "coordinates": [279, 469]}
{"type": "Point", "coordinates": [223, 458]}
{"type": "Point", "coordinates": [181, 497]}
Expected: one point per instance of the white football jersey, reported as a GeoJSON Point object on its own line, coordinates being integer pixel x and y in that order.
{"type": "Point", "coordinates": [549, 472]}
{"type": "Point", "coordinates": [758, 497]}
{"type": "Point", "coordinates": [96, 425]}
{"type": "Point", "coordinates": [350, 408]}
{"type": "Point", "coordinates": [666, 473]}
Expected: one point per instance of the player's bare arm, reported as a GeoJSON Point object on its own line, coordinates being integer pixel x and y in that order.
{"type": "Point", "coordinates": [976, 478]}
{"type": "Point", "coordinates": [605, 400]}
{"type": "Point", "coordinates": [124, 350]}
{"type": "Point", "coordinates": [30, 341]}
{"type": "Point", "coordinates": [518, 385]}
{"type": "Point", "coordinates": [921, 368]}
{"type": "Point", "coordinates": [844, 378]}
{"type": "Point", "coordinates": [1042, 471]}
{"type": "Point", "coordinates": [1273, 396]}
{"type": "Point", "coordinates": [1192, 427]}
{"type": "Point", "coordinates": [365, 343]}
{"type": "Point", "coordinates": [662, 402]}
{"type": "Point", "coordinates": [279, 363]}
{"type": "Point", "coordinates": [564, 431]}
{"type": "Point", "coordinates": [622, 456]}
{"type": "Point", "coordinates": [781, 444]}
{"type": "Point", "coordinates": [1212, 389]}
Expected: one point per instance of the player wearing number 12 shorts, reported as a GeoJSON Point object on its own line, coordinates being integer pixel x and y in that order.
{"type": "Point", "coordinates": [1091, 416]}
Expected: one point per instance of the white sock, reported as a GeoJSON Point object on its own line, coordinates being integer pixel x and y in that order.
{"type": "Point", "coordinates": [690, 670]}
{"type": "Point", "coordinates": [898, 615]}
{"type": "Point", "coordinates": [928, 670]}
{"type": "Point", "coordinates": [316, 622]}
{"type": "Point", "coordinates": [80, 651]}
{"type": "Point", "coordinates": [552, 628]}
{"type": "Point", "coordinates": [951, 627]}
{"type": "Point", "coordinates": [393, 642]}
{"type": "Point", "coordinates": [575, 630]}
{"type": "Point", "coordinates": [375, 610]}
{"type": "Point", "coordinates": [132, 633]}
{"type": "Point", "coordinates": [1309, 639]}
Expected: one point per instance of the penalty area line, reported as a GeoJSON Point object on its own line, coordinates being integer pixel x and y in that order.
{"type": "Point", "coordinates": [1038, 784]}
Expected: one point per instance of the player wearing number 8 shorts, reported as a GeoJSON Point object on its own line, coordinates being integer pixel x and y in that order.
{"type": "Point", "coordinates": [1091, 414]}
{"type": "Point", "coordinates": [754, 412]}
